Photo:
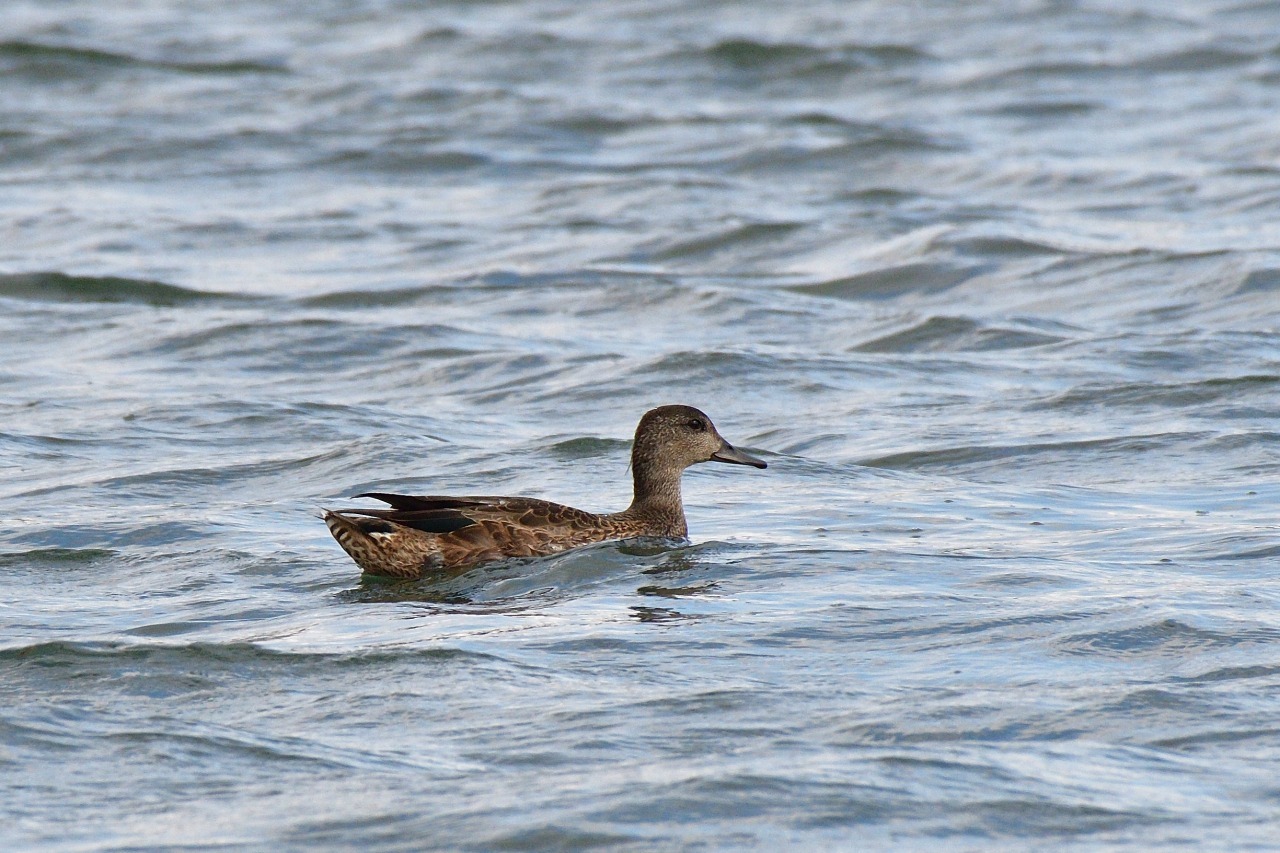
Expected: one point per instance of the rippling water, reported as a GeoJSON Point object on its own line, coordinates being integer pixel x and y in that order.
{"type": "Point", "coordinates": [994, 288]}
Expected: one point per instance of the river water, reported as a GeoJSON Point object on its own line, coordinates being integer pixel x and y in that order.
{"type": "Point", "coordinates": [994, 288]}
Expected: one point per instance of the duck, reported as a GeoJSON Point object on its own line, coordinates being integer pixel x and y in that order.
{"type": "Point", "coordinates": [434, 534]}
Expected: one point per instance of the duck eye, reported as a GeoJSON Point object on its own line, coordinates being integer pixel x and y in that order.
{"type": "Point", "coordinates": [697, 425]}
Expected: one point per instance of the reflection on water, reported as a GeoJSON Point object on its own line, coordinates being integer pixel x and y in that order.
{"type": "Point", "coordinates": [658, 614]}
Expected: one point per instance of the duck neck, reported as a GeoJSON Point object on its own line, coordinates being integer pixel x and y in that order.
{"type": "Point", "coordinates": [657, 499]}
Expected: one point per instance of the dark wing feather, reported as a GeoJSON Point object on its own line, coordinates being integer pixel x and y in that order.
{"type": "Point", "coordinates": [434, 513]}
{"type": "Point", "coordinates": [416, 502]}
{"type": "Point", "coordinates": [426, 520]}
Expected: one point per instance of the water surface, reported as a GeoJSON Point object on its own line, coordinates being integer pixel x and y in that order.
{"type": "Point", "coordinates": [994, 289]}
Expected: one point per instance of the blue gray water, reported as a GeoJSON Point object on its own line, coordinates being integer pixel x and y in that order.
{"type": "Point", "coordinates": [994, 288]}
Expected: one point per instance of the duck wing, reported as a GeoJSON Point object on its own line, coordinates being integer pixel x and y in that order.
{"type": "Point", "coordinates": [446, 514]}
{"type": "Point", "coordinates": [476, 529]}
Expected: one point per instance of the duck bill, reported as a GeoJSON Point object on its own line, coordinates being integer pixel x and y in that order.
{"type": "Point", "coordinates": [729, 453]}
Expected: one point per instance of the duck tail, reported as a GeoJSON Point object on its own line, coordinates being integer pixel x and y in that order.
{"type": "Point", "coordinates": [379, 547]}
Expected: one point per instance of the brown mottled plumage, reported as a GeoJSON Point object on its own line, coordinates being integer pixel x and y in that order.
{"type": "Point", "coordinates": [422, 534]}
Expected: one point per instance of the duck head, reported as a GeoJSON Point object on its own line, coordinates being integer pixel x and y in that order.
{"type": "Point", "coordinates": [675, 437]}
